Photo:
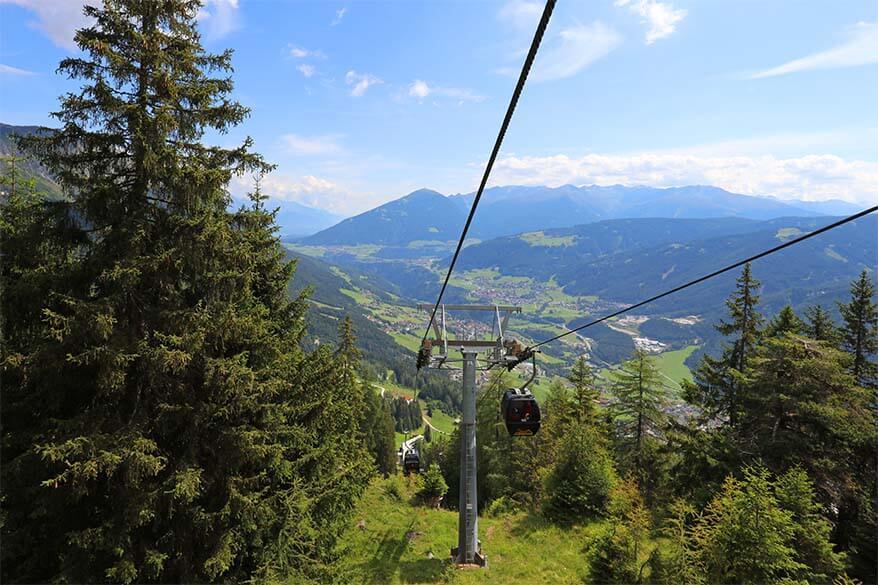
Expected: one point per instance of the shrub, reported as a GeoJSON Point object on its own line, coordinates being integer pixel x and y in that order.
{"type": "Point", "coordinates": [580, 482]}
{"type": "Point", "coordinates": [393, 488]}
{"type": "Point", "coordinates": [434, 487]}
{"type": "Point", "coordinates": [503, 506]}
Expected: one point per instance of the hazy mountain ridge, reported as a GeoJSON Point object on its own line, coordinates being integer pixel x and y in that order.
{"type": "Point", "coordinates": [296, 220]}
{"type": "Point", "coordinates": [426, 216]}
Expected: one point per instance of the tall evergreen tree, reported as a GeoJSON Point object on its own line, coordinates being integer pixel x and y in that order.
{"type": "Point", "coordinates": [819, 325]}
{"type": "Point", "coordinates": [859, 337]}
{"type": "Point", "coordinates": [860, 329]}
{"type": "Point", "coordinates": [348, 354]}
{"type": "Point", "coordinates": [716, 380]}
{"type": "Point", "coordinates": [160, 422]}
{"type": "Point", "coordinates": [585, 393]}
{"type": "Point", "coordinates": [801, 407]}
{"type": "Point", "coordinates": [639, 395]}
{"type": "Point", "coordinates": [377, 429]}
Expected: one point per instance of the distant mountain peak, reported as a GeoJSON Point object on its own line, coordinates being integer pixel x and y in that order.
{"type": "Point", "coordinates": [422, 193]}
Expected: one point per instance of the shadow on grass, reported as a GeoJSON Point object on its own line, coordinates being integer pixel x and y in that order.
{"type": "Point", "coordinates": [387, 561]}
{"type": "Point", "coordinates": [529, 523]}
{"type": "Point", "coordinates": [423, 570]}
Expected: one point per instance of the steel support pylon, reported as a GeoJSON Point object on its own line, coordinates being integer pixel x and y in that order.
{"type": "Point", "coordinates": [468, 551]}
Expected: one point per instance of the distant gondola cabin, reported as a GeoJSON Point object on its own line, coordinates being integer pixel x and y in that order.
{"type": "Point", "coordinates": [411, 462]}
{"type": "Point", "coordinates": [521, 413]}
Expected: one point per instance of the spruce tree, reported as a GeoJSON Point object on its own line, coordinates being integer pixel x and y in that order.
{"type": "Point", "coordinates": [801, 406]}
{"type": "Point", "coordinates": [745, 536]}
{"type": "Point", "coordinates": [859, 332]}
{"type": "Point", "coordinates": [376, 427]}
{"type": "Point", "coordinates": [348, 354]}
{"type": "Point", "coordinates": [160, 422]}
{"type": "Point", "coordinates": [819, 325]}
{"type": "Point", "coordinates": [585, 393]}
{"type": "Point", "coordinates": [639, 395]}
{"type": "Point", "coordinates": [716, 382]}
{"type": "Point", "coordinates": [785, 322]}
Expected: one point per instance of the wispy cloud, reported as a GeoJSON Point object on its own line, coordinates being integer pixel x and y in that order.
{"type": "Point", "coordinates": [339, 15]}
{"type": "Point", "coordinates": [311, 145]}
{"type": "Point", "coordinates": [9, 70]}
{"type": "Point", "coordinates": [861, 48]}
{"type": "Point", "coordinates": [660, 17]}
{"type": "Point", "coordinates": [812, 177]}
{"type": "Point", "coordinates": [421, 89]}
{"type": "Point", "coordinates": [521, 14]}
{"type": "Point", "coordinates": [574, 49]}
{"type": "Point", "coordinates": [360, 82]}
{"type": "Point", "coordinates": [297, 52]}
{"type": "Point", "coordinates": [217, 18]}
{"type": "Point", "coordinates": [306, 70]}
{"type": "Point", "coordinates": [564, 53]}
{"type": "Point", "coordinates": [57, 19]}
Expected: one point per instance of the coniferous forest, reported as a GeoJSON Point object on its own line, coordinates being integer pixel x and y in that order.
{"type": "Point", "coordinates": [164, 420]}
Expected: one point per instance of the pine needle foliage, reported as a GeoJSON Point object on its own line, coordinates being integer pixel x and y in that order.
{"type": "Point", "coordinates": [860, 330]}
{"type": "Point", "coordinates": [160, 423]}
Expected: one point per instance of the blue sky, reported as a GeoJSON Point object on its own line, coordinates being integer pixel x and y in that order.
{"type": "Point", "coordinates": [361, 102]}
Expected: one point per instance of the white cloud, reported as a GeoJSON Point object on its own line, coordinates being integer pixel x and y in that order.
{"type": "Point", "coordinates": [521, 14]}
{"type": "Point", "coordinates": [861, 48]}
{"type": "Point", "coordinates": [57, 19]}
{"type": "Point", "coordinates": [421, 89]}
{"type": "Point", "coordinates": [218, 18]}
{"type": "Point", "coordinates": [360, 82]}
{"type": "Point", "coordinates": [305, 69]}
{"type": "Point", "coordinates": [812, 177]}
{"type": "Point", "coordinates": [302, 53]}
{"type": "Point", "coordinates": [574, 49]}
{"type": "Point", "coordinates": [308, 190]}
{"type": "Point", "coordinates": [60, 19]}
{"type": "Point", "coordinates": [9, 70]}
{"type": "Point", "coordinates": [339, 15]}
{"type": "Point", "coordinates": [311, 145]}
{"type": "Point", "coordinates": [661, 17]}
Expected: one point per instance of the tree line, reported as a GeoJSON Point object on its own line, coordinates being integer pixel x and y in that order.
{"type": "Point", "coordinates": [767, 474]}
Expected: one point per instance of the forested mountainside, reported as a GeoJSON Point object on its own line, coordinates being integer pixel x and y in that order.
{"type": "Point", "coordinates": [333, 295]}
{"type": "Point", "coordinates": [9, 152]}
{"type": "Point", "coordinates": [628, 260]}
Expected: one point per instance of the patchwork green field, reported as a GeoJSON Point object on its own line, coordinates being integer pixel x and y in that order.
{"type": "Point", "coordinates": [671, 365]}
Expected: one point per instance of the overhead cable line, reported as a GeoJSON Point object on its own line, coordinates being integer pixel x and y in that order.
{"type": "Point", "coordinates": [522, 78]}
{"type": "Point", "coordinates": [712, 274]}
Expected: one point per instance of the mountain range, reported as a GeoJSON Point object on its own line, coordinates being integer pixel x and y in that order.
{"type": "Point", "coordinates": [426, 216]}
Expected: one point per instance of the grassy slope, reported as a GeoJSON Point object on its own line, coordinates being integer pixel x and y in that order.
{"type": "Point", "coordinates": [520, 548]}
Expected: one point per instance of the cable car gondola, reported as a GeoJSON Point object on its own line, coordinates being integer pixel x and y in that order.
{"type": "Point", "coordinates": [521, 413]}
{"type": "Point", "coordinates": [519, 408]}
{"type": "Point", "coordinates": [411, 462]}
